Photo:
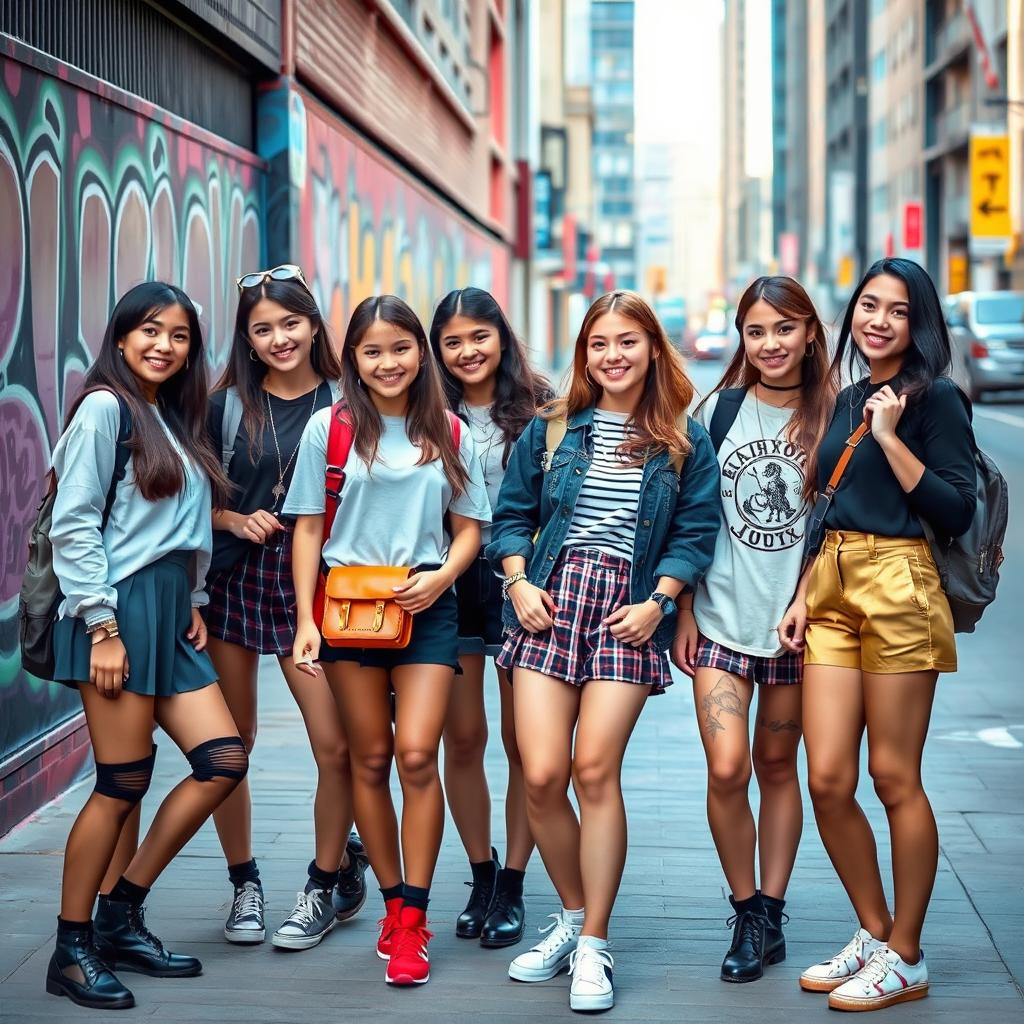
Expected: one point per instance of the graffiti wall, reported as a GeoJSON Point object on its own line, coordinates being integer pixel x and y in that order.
{"type": "Point", "coordinates": [97, 193]}
{"type": "Point", "coordinates": [358, 224]}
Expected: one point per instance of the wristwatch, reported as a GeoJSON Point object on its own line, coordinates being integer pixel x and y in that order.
{"type": "Point", "coordinates": [664, 602]}
{"type": "Point", "coordinates": [109, 626]}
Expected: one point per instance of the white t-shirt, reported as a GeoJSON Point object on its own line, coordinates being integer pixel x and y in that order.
{"type": "Point", "coordinates": [392, 513]}
{"type": "Point", "coordinates": [756, 568]}
{"type": "Point", "coordinates": [489, 445]}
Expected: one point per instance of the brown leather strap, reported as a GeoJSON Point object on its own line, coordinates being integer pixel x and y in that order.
{"type": "Point", "coordinates": [844, 460]}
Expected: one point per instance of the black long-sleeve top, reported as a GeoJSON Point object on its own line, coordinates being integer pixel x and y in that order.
{"type": "Point", "coordinates": [937, 429]}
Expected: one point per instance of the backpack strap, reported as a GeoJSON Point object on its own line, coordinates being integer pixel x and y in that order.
{"type": "Point", "coordinates": [727, 408]}
{"type": "Point", "coordinates": [122, 453]}
{"type": "Point", "coordinates": [456, 424]}
{"type": "Point", "coordinates": [683, 426]}
{"type": "Point", "coordinates": [339, 444]}
{"type": "Point", "coordinates": [554, 433]}
{"type": "Point", "coordinates": [229, 425]}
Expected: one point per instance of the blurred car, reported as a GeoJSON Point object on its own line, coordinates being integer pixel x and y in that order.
{"type": "Point", "coordinates": [710, 346]}
{"type": "Point", "coordinates": [987, 329]}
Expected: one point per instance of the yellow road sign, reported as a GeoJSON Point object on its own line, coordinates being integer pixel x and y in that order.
{"type": "Point", "coordinates": [990, 186]}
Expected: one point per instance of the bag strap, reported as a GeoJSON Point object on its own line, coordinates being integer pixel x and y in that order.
{"type": "Point", "coordinates": [554, 433]}
{"type": "Point", "coordinates": [727, 408]}
{"type": "Point", "coordinates": [229, 425]}
{"type": "Point", "coordinates": [844, 460]}
{"type": "Point", "coordinates": [122, 453]}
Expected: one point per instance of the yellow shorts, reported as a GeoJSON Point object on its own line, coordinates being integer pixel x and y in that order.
{"type": "Point", "coordinates": [876, 604]}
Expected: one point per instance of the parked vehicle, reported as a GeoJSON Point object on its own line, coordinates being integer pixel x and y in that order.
{"type": "Point", "coordinates": [987, 329]}
{"type": "Point", "coordinates": [711, 346]}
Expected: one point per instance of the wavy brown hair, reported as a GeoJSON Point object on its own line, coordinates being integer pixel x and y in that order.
{"type": "Point", "coordinates": [426, 419]}
{"type": "Point", "coordinates": [667, 392]}
{"type": "Point", "coordinates": [817, 384]}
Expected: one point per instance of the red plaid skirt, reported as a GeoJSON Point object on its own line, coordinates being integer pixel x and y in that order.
{"type": "Point", "coordinates": [252, 603]}
{"type": "Point", "coordinates": [785, 670]}
{"type": "Point", "coordinates": [586, 585]}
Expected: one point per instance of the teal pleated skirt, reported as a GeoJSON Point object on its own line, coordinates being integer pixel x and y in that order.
{"type": "Point", "coordinates": [154, 612]}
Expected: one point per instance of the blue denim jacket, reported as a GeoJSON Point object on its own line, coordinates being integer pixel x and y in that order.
{"type": "Point", "coordinates": [677, 519]}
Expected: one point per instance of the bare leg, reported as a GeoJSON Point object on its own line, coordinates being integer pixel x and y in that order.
{"type": "Point", "coordinates": [518, 837]}
{"type": "Point", "coordinates": [833, 713]}
{"type": "Point", "coordinates": [781, 817]}
{"type": "Point", "coordinates": [895, 748]}
{"type": "Point", "coordinates": [608, 713]}
{"type": "Point", "coordinates": [722, 701]}
{"type": "Point", "coordinates": [465, 741]}
{"type": "Point", "coordinates": [127, 844]}
{"type": "Point", "coordinates": [545, 713]}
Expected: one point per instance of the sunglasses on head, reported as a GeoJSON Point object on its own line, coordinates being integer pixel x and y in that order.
{"type": "Point", "coordinates": [285, 272]}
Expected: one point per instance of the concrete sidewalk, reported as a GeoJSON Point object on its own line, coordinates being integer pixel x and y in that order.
{"type": "Point", "coordinates": [669, 934]}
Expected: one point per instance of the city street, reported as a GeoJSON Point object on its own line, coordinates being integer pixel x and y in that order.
{"type": "Point", "coordinates": [669, 927]}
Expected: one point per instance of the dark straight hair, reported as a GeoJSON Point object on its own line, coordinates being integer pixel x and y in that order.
{"type": "Point", "coordinates": [246, 373]}
{"type": "Point", "coordinates": [930, 354]}
{"type": "Point", "coordinates": [426, 418]}
{"type": "Point", "coordinates": [518, 389]}
{"type": "Point", "coordinates": [182, 400]}
{"type": "Point", "coordinates": [817, 388]}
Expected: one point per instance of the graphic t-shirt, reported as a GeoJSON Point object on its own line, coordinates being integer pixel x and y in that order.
{"type": "Point", "coordinates": [756, 567]}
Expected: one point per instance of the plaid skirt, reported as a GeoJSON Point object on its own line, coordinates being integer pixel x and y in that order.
{"type": "Point", "coordinates": [785, 670]}
{"type": "Point", "coordinates": [587, 585]}
{"type": "Point", "coordinates": [252, 603]}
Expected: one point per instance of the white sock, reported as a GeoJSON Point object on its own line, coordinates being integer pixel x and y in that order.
{"type": "Point", "coordinates": [573, 917]}
{"type": "Point", "coordinates": [593, 942]}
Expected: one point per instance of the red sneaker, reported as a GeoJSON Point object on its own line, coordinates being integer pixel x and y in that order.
{"type": "Point", "coordinates": [388, 924]}
{"type": "Point", "coordinates": [409, 963]}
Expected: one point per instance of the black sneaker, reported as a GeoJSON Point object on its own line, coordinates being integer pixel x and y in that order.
{"type": "Point", "coordinates": [312, 918]}
{"type": "Point", "coordinates": [77, 971]}
{"type": "Point", "coordinates": [245, 925]}
{"type": "Point", "coordinates": [125, 943]}
{"type": "Point", "coordinates": [349, 894]}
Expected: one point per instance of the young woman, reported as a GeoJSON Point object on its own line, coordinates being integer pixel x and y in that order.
{"type": "Point", "coordinates": [596, 539]}
{"type": "Point", "coordinates": [407, 477]}
{"type": "Point", "coordinates": [282, 370]}
{"type": "Point", "coordinates": [131, 544]}
{"type": "Point", "coordinates": [778, 395]}
{"type": "Point", "coordinates": [878, 625]}
{"type": "Point", "coordinates": [489, 383]}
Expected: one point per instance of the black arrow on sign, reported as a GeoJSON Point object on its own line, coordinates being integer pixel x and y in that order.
{"type": "Point", "coordinates": [987, 208]}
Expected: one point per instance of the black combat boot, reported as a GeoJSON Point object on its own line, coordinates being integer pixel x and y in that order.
{"type": "Point", "coordinates": [506, 918]}
{"type": "Point", "coordinates": [471, 920]}
{"type": "Point", "coordinates": [774, 940]}
{"type": "Point", "coordinates": [77, 971]}
{"type": "Point", "coordinates": [124, 942]}
{"type": "Point", "coordinates": [745, 959]}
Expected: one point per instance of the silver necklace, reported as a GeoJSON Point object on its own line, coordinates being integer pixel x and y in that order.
{"type": "Point", "coordinates": [760, 428]}
{"type": "Point", "coordinates": [482, 438]}
{"type": "Point", "coordinates": [279, 489]}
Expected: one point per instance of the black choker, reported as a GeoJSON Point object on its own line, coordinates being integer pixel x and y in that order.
{"type": "Point", "coordinates": [775, 387]}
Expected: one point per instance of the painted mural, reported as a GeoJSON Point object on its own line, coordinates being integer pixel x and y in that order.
{"type": "Point", "coordinates": [359, 225]}
{"type": "Point", "coordinates": [97, 193]}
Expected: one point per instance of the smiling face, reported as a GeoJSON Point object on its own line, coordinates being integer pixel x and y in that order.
{"type": "Point", "coordinates": [387, 360]}
{"type": "Point", "coordinates": [775, 344]}
{"type": "Point", "coordinates": [471, 349]}
{"type": "Point", "coordinates": [619, 355]}
{"type": "Point", "coordinates": [280, 338]}
{"type": "Point", "coordinates": [881, 325]}
{"type": "Point", "coordinates": [158, 348]}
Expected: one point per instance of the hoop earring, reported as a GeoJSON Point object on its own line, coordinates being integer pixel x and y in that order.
{"type": "Point", "coordinates": [590, 380]}
{"type": "Point", "coordinates": [186, 362]}
{"type": "Point", "coordinates": [810, 351]}
{"type": "Point", "coordinates": [121, 350]}
{"type": "Point", "coordinates": [359, 383]}
{"type": "Point", "coordinates": [252, 355]}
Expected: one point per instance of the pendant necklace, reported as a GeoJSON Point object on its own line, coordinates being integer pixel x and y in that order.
{"type": "Point", "coordinates": [279, 489]}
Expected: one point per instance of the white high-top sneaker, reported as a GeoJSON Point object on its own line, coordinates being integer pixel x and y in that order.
{"type": "Point", "coordinates": [844, 965]}
{"type": "Point", "coordinates": [886, 979]}
{"type": "Point", "coordinates": [551, 955]}
{"type": "Point", "coordinates": [591, 968]}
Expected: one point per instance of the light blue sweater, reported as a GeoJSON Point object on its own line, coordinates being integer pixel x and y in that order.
{"type": "Point", "coordinates": [138, 533]}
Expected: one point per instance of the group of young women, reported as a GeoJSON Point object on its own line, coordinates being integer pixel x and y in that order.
{"type": "Point", "coordinates": [574, 539]}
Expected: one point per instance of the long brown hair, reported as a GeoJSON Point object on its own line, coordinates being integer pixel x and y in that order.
{"type": "Point", "coordinates": [667, 390]}
{"type": "Point", "coordinates": [817, 385]}
{"type": "Point", "coordinates": [426, 419]}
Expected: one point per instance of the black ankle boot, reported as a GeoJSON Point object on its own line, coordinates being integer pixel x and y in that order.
{"type": "Point", "coordinates": [774, 940]}
{"type": "Point", "coordinates": [124, 942]}
{"type": "Point", "coordinates": [349, 894]}
{"type": "Point", "coordinates": [76, 971]}
{"type": "Point", "coordinates": [745, 960]}
{"type": "Point", "coordinates": [471, 920]}
{"type": "Point", "coordinates": [506, 918]}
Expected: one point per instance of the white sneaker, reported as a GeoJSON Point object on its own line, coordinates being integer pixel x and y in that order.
{"type": "Point", "coordinates": [844, 965]}
{"type": "Point", "coordinates": [591, 968]}
{"type": "Point", "coordinates": [887, 979]}
{"type": "Point", "coordinates": [551, 955]}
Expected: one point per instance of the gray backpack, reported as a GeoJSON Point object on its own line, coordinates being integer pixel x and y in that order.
{"type": "Point", "coordinates": [233, 421]}
{"type": "Point", "coordinates": [969, 565]}
{"type": "Point", "coordinates": [40, 590]}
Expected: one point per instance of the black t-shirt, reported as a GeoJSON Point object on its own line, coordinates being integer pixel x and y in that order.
{"type": "Point", "coordinates": [869, 499]}
{"type": "Point", "coordinates": [254, 481]}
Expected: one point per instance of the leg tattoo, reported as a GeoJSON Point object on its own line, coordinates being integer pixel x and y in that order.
{"type": "Point", "coordinates": [724, 699]}
{"type": "Point", "coordinates": [777, 725]}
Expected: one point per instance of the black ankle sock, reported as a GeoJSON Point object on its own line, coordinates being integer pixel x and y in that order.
{"type": "Point", "coordinates": [239, 874]}
{"type": "Point", "coordinates": [66, 928]}
{"type": "Point", "coordinates": [128, 892]}
{"type": "Point", "coordinates": [416, 897]}
{"type": "Point", "coordinates": [393, 892]}
{"type": "Point", "coordinates": [484, 873]}
{"type": "Point", "coordinates": [320, 879]}
{"type": "Point", "coordinates": [753, 904]}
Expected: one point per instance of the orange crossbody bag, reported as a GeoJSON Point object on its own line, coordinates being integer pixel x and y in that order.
{"type": "Point", "coordinates": [355, 605]}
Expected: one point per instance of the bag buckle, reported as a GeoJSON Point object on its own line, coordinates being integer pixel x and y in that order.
{"type": "Point", "coordinates": [378, 616]}
{"type": "Point", "coordinates": [344, 609]}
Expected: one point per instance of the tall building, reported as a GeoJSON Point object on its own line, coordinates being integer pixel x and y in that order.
{"type": "Point", "coordinates": [1015, 122]}
{"type": "Point", "coordinates": [611, 53]}
{"type": "Point", "coordinates": [655, 251]}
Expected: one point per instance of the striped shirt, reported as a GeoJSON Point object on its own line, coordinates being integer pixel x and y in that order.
{"type": "Point", "coordinates": [605, 512]}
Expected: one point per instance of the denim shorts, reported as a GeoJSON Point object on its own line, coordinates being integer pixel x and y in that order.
{"type": "Point", "coordinates": [478, 593]}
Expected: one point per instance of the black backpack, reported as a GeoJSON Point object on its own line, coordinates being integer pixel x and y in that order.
{"type": "Point", "coordinates": [727, 408]}
{"type": "Point", "coordinates": [40, 590]}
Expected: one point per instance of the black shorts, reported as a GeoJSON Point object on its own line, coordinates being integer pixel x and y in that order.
{"type": "Point", "coordinates": [479, 602]}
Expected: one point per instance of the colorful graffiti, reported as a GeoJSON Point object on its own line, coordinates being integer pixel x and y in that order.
{"type": "Point", "coordinates": [360, 225]}
{"type": "Point", "coordinates": [97, 192]}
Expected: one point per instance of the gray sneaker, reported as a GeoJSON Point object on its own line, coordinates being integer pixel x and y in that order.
{"type": "Point", "coordinates": [244, 925]}
{"type": "Point", "coordinates": [312, 918]}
